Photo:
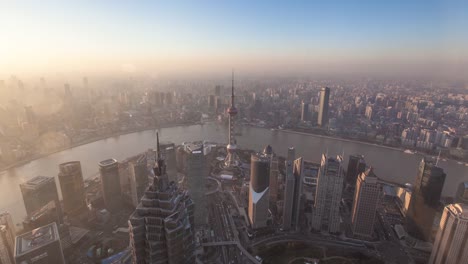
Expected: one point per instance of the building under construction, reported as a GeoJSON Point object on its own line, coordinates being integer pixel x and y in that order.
{"type": "Point", "coordinates": [161, 228]}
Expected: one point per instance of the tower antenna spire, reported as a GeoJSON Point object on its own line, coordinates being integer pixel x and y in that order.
{"type": "Point", "coordinates": [232, 89]}
{"type": "Point", "coordinates": [232, 160]}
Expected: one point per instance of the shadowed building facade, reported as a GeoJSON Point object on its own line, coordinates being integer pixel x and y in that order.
{"type": "Point", "coordinates": [425, 200]}
{"type": "Point", "coordinates": [326, 214]}
{"type": "Point", "coordinates": [366, 197]}
{"type": "Point", "coordinates": [356, 165]}
{"type": "Point", "coordinates": [39, 192]}
{"type": "Point", "coordinates": [195, 179]}
{"type": "Point", "coordinates": [259, 190]}
{"type": "Point", "coordinates": [72, 186]}
{"type": "Point", "coordinates": [138, 175]}
{"type": "Point", "coordinates": [110, 184]}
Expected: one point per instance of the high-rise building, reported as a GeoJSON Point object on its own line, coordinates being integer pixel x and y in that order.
{"type": "Point", "coordinates": [29, 114]}
{"type": "Point", "coordinates": [291, 154]}
{"type": "Point", "coordinates": [323, 107]}
{"type": "Point", "coordinates": [326, 213]}
{"type": "Point", "coordinates": [305, 113]}
{"type": "Point", "coordinates": [7, 239]}
{"type": "Point", "coordinates": [40, 246]}
{"type": "Point", "coordinates": [110, 184]}
{"type": "Point", "coordinates": [298, 167]}
{"type": "Point", "coordinates": [38, 192]}
{"type": "Point", "coordinates": [211, 100]}
{"type": "Point", "coordinates": [288, 196]}
{"type": "Point", "coordinates": [356, 166]}
{"type": "Point", "coordinates": [168, 153]}
{"type": "Point", "coordinates": [259, 190]}
{"type": "Point", "coordinates": [169, 98]}
{"type": "Point", "coordinates": [292, 194]}
{"type": "Point", "coordinates": [232, 160]}
{"type": "Point", "coordinates": [268, 151]}
{"type": "Point", "coordinates": [425, 200]}
{"type": "Point", "coordinates": [162, 226]}
{"type": "Point", "coordinates": [196, 173]}
{"type": "Point", "coordinates": [138, 174]}
{"type": "Point", "coordinates": [451, 243]}
{"type": "Point", "coordinates": [72, 186]}
{"type": "Point", "coordinates": [366, 197]}
{"type": "Point", "coordinates": [217, 90]}
{"type": "Point", "coordinates": [462, 193]}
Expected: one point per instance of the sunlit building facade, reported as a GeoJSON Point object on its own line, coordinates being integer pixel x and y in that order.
{"type": "Point", "coordinates": [451, 243]}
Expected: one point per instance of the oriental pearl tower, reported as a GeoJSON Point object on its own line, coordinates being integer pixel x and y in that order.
{"type": "Point", "coordinates": [232, 160]}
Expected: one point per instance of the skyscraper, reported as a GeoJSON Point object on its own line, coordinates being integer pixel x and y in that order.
{"type": "Point", "coordinates": [40, 246]}
{"type": "Point", "coordinates": [259, 190]}
{"type": "Point", "coordinates": [38, 192]}
{"type": "Point", "coordinates": [323, 107]}
{"type": "Point", "coordinates": [292, 194]}
{"type": "Point", "coordinates": [232, 159]}
{"type": "Point", "coordinates": [425, 200]}
{"type": "Point", "coordinates": [138, 173]}
{"type": "Point", "coordinates": [7, 239]}
{"type": "Point", "coordinates": [161, 227]}
{"type": "Point", "coordinates": [298, 177]}
{"type": "Point", "coordinates": [72, 186]}
{"type": "Point", "coordinates": [217, 90]}
{"type": "Point", "coordinates": [366, 197]}
{"type": "Point", "coordinates": [356, 166]}
{"type": "Point", "coordinates": [462, 193]}
{"type": "Point", "coordinates": [211, 100]}
{"type": "Point", "coordinates": [195, 178]}
{"type": "Point", "coordinates": [326, 213]}
{"type": "Point", "coordinates": [268, 151]}
{"type": "Point", "coordinates": [291, 154]}
{"type": "Point", "coordinates": [288, 196]}
{"type": "Point", "coordinates": [305, 114]}
{"type": "Point", "coordinates": [168, 154]}
{"type": "Point", "coordinates": [451, 243]}
{"type": "Point", "coordinates": [110, 184]}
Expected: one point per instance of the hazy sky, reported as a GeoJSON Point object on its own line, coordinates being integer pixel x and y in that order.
{"type": "Point", "coordinates": [213, 36]}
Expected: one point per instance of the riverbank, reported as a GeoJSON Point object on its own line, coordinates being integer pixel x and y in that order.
{"type": "Point", "coordinates": [339, 139]}
{"type": "Point", "coordinates": [402, 148]}
{"type": "Point", "coordinates": [84, 142]}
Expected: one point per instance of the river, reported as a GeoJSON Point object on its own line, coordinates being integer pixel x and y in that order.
{"type": "Point", "coordinates": [388, 164]}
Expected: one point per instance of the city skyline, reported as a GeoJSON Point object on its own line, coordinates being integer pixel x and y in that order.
{"type": "Point", "coordinates": [208, 37]}
{"type": "Point", "coordinates": [343, 137]}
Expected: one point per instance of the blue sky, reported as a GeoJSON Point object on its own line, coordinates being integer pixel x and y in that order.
{"type": "Point", "coordinates": [79, 35]}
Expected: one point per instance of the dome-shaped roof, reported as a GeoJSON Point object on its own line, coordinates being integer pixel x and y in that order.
{"type": "Point", "coordinates": [268, 150]}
